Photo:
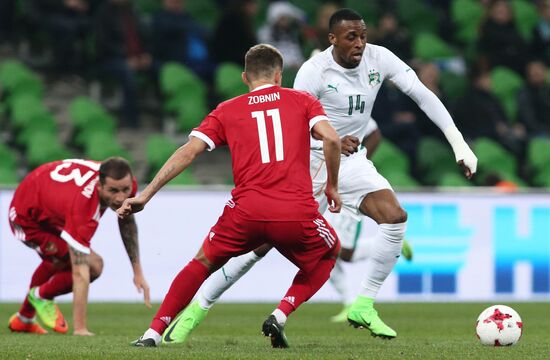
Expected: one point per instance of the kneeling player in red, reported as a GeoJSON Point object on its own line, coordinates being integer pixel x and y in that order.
{"type": "Point", "coordinates": [268, 132]}
{"type": "Point", "coordinates": [55, 211]}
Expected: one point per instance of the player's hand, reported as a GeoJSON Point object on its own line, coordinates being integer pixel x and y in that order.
{"type": "Point", "coordinates": [83, 332]}
{"type": "Point", "coordinates": [349, 145]}
{"type": "Point", "coordinates": [468, 163]}
{"type": "Point", "coordinates": [130, 206]}
{"type": "Point", "coordinates": [334, 202]}
{"type": "Point", "coordinates": [142, 286]}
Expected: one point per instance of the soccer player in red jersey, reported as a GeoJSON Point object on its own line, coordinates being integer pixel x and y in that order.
{"type": "Point", "coordinates": [55, 211]}
{"type": "Point", "coordinates": [268, 133]}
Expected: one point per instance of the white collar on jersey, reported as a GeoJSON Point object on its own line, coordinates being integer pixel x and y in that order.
{"type": "Point", "coordinates": [261, 87]}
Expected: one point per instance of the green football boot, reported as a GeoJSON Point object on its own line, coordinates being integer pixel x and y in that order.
{"type": "Point", "coordinates": [180, 328]}
{"type": "Point", "coordinates": [48, 312]}
{"type": "Point", "coordinates": [363, 315]}
{"type": "Point", "coordinates": [407, 250]}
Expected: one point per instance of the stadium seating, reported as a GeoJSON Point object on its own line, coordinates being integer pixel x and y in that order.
{"type": "Point", "coordinates": [417, 16]}
{"type": "Point", "coordinates": [466, 16]}
{"type": "Point", "coordinates": [17, 79]}
{"type": "Point", "coordinates": [205, 12]}
{"type": "Point", "coordinates": [100, 146]}
{"type": "Point", "coordinates": [434, 159]}
{"type": "Point", "coordinates": [427, 47]}
{"type": "Point", "coordinates": [400, 179]}
{"type": "Point", "coordinates": [44, 147]}
{"type": "Point", "coordinates": [157, 150]}
{"type": "Point", "coordinates": [526, 17]}
{"type": "Point", "coordinates": [453, 179]}
{"type": "Point", "coordinates": [389, 158]}
{"type": "Point", "coordinates": [505, 84]}
{"type": "Point", "coordinates": [493, 158]}
{"type": "Point", "coordinates": [228, 81]}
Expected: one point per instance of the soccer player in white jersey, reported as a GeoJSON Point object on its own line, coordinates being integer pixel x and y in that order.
{"type": "Point", "coordinates": [346, 78]}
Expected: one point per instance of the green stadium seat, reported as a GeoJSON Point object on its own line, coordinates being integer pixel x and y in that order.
{"type": "Point", "coordinates": [434, 158]}
{"type": "Point", "coordinates": [16, 78]}
{"type": "Point", "coordinates": [190, 113]}
{"type": "Point", "coordinates": [467, 15]}
{"type": "Point", "coordinates": [505, 84]}
{"type": "Point", "coordinates": [206, 12]}
{"type": "Point", "coordinates": [453, 179]}
{"type": "Point", "coordinates": [157, 150]}
{"type": "Point", "coordinates": [389, 158]}
{"type": "Point", "coordinates": [178, 84]}
{"type": "Point", "coordinates": [427, 47]}
{"type": "Point", "coordinates": [100, 146]}
{"type": "Point", "coordinates": [8, 158]}
{"type": "Point", "coordinates": [8, 176]}
{"type": "Point", "coordinates": [84, 110]}
{"type": "Point", "coordinates": [44, 147]}
{"type": "Point", "coordinates": [38, 124]}
{"type": "Point", "coordinates": [370, 10]}
{"type": "Point", "coordinates": [185, 178]}
{"type": "Point", "coordinates": [492, 157]}
{"type": "Point", "coordinates": [526, 17]}
{"type": "Point", "coordinates": [400, 179]}
{"type": "Point", "coordinates": [417, 16]}
{"type": "Point", "coordinates": [228, 81]}
{"type": "Point", "coordinates": [538, 154]}
{"type": "Point", "coordinates": [25, 108]}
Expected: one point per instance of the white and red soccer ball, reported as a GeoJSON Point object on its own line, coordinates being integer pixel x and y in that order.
{"type": "Point", "coordinates": [499, 325]}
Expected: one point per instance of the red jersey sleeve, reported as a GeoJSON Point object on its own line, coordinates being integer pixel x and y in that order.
{"type": "Point", "coordinates": [81, 223]}
{"type": "Point", "coordinates": [211, 130]}
{"type": "Point", "coordinates": [315, 111]}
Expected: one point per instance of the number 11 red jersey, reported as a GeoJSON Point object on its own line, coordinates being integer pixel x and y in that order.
{"type": "Point", "coordinates": [268, 134]}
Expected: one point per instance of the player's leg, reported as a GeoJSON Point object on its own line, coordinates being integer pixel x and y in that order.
{"type": "Point", "coordinates": [24, 320]}
{"type": "Point", "coordinates": [313, 246]}
{"type": "Point", "coordinates": [348, 229]}
{"type": "Point", "coordinates": [53, 250]}
{"type": "Point", "coordinates": [212, 290]}
{"type": "Point", "coordinates": [384, 250]}
{"type": "Point", "coordinates": [230, 273]}
{"type": "Point", "coordinates": [229, 238]}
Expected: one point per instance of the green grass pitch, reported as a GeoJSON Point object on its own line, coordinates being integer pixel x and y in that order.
{"type": "Point", "coordinates": [232, 331]}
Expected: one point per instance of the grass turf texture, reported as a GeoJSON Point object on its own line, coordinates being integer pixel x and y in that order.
{"type": "Point", "coordinates": [232, 331]}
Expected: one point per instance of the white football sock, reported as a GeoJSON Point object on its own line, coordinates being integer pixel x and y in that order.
{"type": "Point", "coordinates": [384, 251]}
{"type": "Point", "coordinates": [280, 316]}
{"type": "Point", "coordinates": [225, 277]}
{"type": "Point", "coordinates": [152, 334]}
{"type": "Point", "coordinates": [339, 282]}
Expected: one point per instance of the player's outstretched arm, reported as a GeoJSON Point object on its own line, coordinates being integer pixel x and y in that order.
{"type": "Point", "coordinates": [331, 149]}
{"type": "Point", "coordinates": [436, 111]}
{"type": "Point", "coordinates": [129, 234]}
{"type": "Point", "coordinates": [178, 162]}
{"type": "Point", "coordinates": [81, 283]}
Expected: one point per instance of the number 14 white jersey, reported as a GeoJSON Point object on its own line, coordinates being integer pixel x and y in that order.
{"type": "Point", "coordinates": [347, 95]}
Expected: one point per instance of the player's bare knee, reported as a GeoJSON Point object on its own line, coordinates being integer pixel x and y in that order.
{"type": "Point", "coordinates": [398, 216]}
{"type": "Point", "coordinates": [346, 254]}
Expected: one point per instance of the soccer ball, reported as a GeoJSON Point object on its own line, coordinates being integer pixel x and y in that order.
{"type": "Point", "coordinates": [499, 325]}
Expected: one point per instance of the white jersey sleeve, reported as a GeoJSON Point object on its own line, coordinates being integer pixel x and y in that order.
{"type": "Point", "coordinates": [308, 79]}
{"type": "Point", "coordinates": [406, 80]}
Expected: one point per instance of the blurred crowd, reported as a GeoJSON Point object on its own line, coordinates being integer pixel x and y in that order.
{"type": "Point", "coordinates": [485, 59]}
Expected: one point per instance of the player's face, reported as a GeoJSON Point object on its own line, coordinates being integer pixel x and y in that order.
{"type": "Point", "coordinates": [349, 39]}
{"type": "Point", "coordinates": [113, 192]}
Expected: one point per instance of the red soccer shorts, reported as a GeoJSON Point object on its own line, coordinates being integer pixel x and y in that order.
{"type": "Point", "coordinates": [50, 246]}
{"type": "Point", "coordinates": [304, 243]}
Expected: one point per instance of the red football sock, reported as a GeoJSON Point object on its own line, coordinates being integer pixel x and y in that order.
{"type": "Point", "coordinates": [305, 285]}
{"type": "Point", "coordinates": [183, 288]}
{"type": "Point", "coordinates": [59, 284]}
{"type": "Point", "coordinates": [42, 274]}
